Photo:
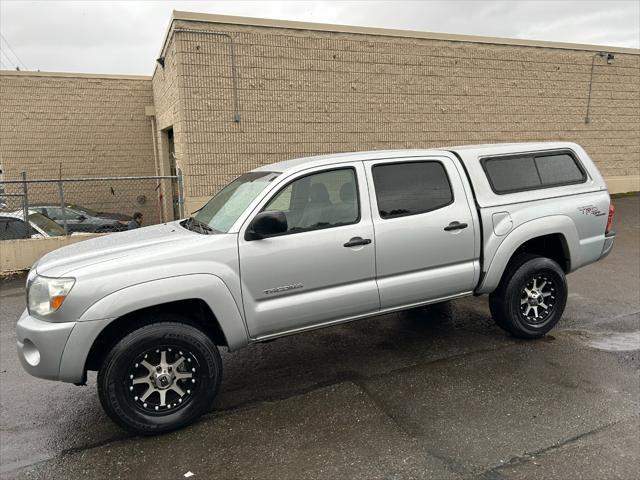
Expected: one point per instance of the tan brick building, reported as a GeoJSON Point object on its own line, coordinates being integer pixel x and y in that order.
{"type": "Point", "coordinates": [232, 93]}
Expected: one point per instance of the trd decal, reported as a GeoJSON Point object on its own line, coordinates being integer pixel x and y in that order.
{"type": "Point", "coordinates": [591, 210]}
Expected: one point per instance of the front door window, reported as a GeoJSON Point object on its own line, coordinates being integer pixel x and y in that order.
{"type": "Point", "coordinates": [322, 200]}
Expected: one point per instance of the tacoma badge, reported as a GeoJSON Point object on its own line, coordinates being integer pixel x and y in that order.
{"type": "Point", "coordinates": [284, 288]}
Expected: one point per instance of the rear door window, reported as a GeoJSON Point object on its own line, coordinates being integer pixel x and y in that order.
{"type": "Point", "coordinates": [411, 188]}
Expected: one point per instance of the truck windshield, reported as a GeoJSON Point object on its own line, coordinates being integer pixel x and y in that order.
{"type": "Point", "coordinates": [222, 211]}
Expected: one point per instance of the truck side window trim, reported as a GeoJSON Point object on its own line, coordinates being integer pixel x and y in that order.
{"type": "Point", "coordinates": [311, 174]}
{"type": "Point", "coordinates": [534, 156]}
{"type": "Point", "coordinates": [399, 215]}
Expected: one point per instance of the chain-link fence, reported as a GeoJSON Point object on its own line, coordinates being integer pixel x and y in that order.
{"type": "Point", "coordinates": [96, 205]}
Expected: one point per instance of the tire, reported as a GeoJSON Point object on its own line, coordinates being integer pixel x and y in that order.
{"type": "Point", "coordinates": [149, 358]}
{"type": "Point", "coordinates": [515, 305]}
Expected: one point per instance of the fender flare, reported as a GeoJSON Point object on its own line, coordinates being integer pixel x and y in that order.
{"type": "Point", "coordinates": [209, 288]}
{"type": "Point", "coordinates": [554, 224]}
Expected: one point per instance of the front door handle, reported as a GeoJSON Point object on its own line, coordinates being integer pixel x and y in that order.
{"type": "Point", "coordinates": [455, 226]}
{"type": "Point", "coordinates": [356, 241]}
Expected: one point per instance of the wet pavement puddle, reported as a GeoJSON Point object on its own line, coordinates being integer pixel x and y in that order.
{"type": "Point", "coordinates": [610, 341]}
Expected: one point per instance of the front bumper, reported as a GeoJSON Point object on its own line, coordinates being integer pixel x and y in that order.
{"type": "Point", "coordinates": [609, 239]}
{"type": "Point", "coordinates": [41, 345]}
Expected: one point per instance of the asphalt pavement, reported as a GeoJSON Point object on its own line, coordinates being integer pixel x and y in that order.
{"type": "Point", "coordinates": [439, 393]}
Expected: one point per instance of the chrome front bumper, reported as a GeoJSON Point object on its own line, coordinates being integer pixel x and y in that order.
{"type": "Point", "coordinates": [41, 344]}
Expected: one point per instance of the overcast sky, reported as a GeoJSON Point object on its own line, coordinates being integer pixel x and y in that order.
{"type": "Point", "coordinates": [125, 36]}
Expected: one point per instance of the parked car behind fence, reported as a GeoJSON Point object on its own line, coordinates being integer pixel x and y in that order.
{"type": "Point", "coordinates": [13, 226]}
{"type": "Point", "coordinates": [82, 204]}
{"type": "Point", "coordinates": [76, 218]}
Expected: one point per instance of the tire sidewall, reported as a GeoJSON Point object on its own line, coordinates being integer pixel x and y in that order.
{"type": "Point", "coordinates": [113, 384]}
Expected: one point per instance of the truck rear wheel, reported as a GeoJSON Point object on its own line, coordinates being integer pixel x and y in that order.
{"type": "Point", "coordinates": [160, 377]}
{"type": "Point", "coordinates": [531, 297]}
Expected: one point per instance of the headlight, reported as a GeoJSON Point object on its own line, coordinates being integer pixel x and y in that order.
{"type": "Point", "coordinates": [45, 295]}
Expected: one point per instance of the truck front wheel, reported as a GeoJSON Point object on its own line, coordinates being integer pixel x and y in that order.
{"type": "Point", "coordinates": [160, 377]}
{"type": "Point", "coordinates": [530, 298]}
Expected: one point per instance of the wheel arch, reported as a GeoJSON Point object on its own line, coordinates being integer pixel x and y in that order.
{"type": "Point", "coordinates": [194, 311]}
{"type": "Point", "coordinates": [555, 237]}
{"type": "Point", "coordinates": [202, 299]}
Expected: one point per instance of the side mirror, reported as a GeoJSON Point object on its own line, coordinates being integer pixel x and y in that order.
{"type": "Point", "coordinates": [82, 218]}
{"type": "Point", "coordinates": [266, 224]}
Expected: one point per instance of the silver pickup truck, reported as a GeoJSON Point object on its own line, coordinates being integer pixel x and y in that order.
{"type": "Point", "coordinates": [311, 243]}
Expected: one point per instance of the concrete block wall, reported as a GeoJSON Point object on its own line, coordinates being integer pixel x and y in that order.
{"type": "Point", "coordinates": [92, 125]}
{"type": "Point", "coordinates": [304, 92]}
{"type": "Point", "coordinates": [79, 125]}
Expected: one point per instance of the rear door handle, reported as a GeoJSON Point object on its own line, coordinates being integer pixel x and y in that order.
{"type": "Point", "coordinates": [455, 226]}
{"type": "Point", "coordinates": [356, 241]}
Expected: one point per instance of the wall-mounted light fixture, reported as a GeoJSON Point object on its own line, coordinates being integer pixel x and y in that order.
{"type": "Point", "coordinates": [160, 61]}
{"type": "Point", "coordinates": [609, 57]}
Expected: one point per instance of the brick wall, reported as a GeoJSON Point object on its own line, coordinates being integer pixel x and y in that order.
{"type": "Point", "coordinates": [305, 92]}
{"type": "Point", "coordinates": [91, 125]}
{"type": "Point", "coordinates": [79, 125]}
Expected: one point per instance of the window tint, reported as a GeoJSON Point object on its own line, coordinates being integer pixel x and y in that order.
{"type": "Point", "coordinates": [55, 213]}
{"type": "Point", "coordinates": [512, 173]}
{"type": "Point", "coordinates": [4, 229]}
{"type": "Point", "coordinates": [558, 169]}
{"type": "Point", "coordinates": [528, 172]}
{"type": "Point", "coordinates": [83, 210]}
{"type": "Point", "coordinates": [411, 188]}
{"type": "Point", "coordinates": [321, 200]}
{"type": "Point", "coordinates": [11, 229]}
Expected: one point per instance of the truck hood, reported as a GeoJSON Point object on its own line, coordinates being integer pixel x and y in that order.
{"type": "Point", "coordinates": [139, 243]}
